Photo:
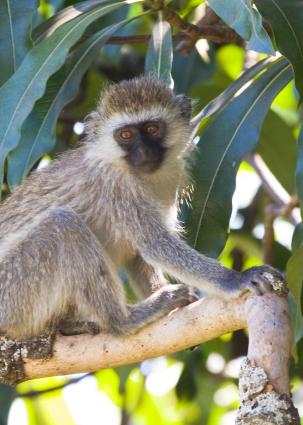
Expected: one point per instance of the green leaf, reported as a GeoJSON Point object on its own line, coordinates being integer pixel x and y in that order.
{"type": "Point", "coordinates": [189, 6]}
{"type": "Point", "coordinates": [286, 18]}
{"type": "Point", "coordinates": [297, 237]}
{"type": "Point", "coordinates": [230, 135]}
{"type": "Point", "coordinates": [159, 56]}
{"type": "Point", "coordinates": [277, 146]}
{"type": "Point", "coordinates": [230, 59]}
{"type": "Point", "coordinates": [295, 280]}
{"type": "Point", "coordinates": [221, 100]}
{"type": "Point", "coordinates": [38, 132]}
{"type": "Point", "coordinates": [109, 382]}
{"type": "Point", "coordinates": [299, 171]}
{"type": "Point", "coordinates": [7, 396]}
{"type": "Point", "coordinates": [297, 325]}
{"type": "Point", "coordinates": [295, 263]}
{"type": "Point", "coordinates": [189, 70]}
{"type": "Point", "coordinates": [20, 92]}
{"type": "Point", "coordinates": [62, 17]}
{"type": "Point", "coordinates": [15, 27]}
{"type": "Point", "coordinates": [295, 274]}
{"type": "Point", "coordinates": [246, 21]}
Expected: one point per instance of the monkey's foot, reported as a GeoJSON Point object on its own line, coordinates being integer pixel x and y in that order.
{"type": "Point", "coordinates": [179, 295]}
{"type": "Point", "coordinates": [78, 327]}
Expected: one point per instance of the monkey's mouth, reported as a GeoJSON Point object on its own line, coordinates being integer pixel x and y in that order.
{"type": "Point", "coordinates": [149, 166]}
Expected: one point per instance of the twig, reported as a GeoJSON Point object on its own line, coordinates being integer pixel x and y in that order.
{"type": "Point", "coordinates": [269, 236]}
{"type": "Point", "coordinates": [33, 394]}
{"type": "Point", "coordinates": [143, 38]}
{"type": "Point", "coordinates": [209, 18]}
{"type": "Point", "coordinates": [209, 32]}
{"type": "Point", "coordinates": [285, 205]}
{"type": "Point", "coordinates": [216, 33]}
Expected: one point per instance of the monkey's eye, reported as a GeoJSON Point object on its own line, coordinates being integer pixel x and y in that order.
{"type": "Point", "coordinates": [126, 134]}
{"type": "Point", "coordinates": [151, 129]}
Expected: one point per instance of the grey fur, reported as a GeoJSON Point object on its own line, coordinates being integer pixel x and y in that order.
{"type": "Point", "coordinates": [67, 228]}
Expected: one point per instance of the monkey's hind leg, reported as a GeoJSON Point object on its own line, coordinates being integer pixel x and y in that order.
{"type": "Point", "coordinates": [77, 327]}
{"type": "Point", "coordinates": [57, 266]}
{"type": "Point", "coordinates": [60, 266]}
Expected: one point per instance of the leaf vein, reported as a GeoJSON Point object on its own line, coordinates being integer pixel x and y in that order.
{"type": "Point", "coordinates": [227, 148]}
{"type": "Point", "coordinates": [42, 66]}
{"type": "Point", "coordinates": [11, 34]}
{"type": "Point", "coordinates": [291, 28]}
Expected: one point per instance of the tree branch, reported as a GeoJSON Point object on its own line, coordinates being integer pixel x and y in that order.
{"type": "Point", "coordinates": [209, 18]}
{"type": "Point", "coordinates": [142, 38]}
{"type": "Point", "coordinates": [214, 32]}
{"type": "Point", "coordinates": [263, 381]}
{"type": "Point", "coordinates": [264, 375]}
{"type": "Point", "coordinates": [183, 328]}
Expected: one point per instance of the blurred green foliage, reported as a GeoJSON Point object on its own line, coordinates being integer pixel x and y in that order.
{"type": "Point", "coordinates": [54, 61]}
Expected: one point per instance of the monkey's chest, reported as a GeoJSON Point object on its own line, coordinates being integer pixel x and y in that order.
{"type": "Point", "coordinates": [113, 240]}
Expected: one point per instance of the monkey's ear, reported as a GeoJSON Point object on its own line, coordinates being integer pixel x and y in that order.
{"type": "Point", "coordinates": [91, 123]}
{"type": "Point", "coordinates": [92, 116]}
{"type": "Point", "coordinates": [185, 105]}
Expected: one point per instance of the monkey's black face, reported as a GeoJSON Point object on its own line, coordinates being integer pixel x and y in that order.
{"type": "Point", "coordinates": [143, 144]}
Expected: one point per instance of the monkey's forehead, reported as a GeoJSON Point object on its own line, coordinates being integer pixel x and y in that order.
{"type": "Point", "coordinates": [131, 96]}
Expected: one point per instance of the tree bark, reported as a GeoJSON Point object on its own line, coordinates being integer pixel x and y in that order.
{"type": "Point", "coordinates": [263, 381]}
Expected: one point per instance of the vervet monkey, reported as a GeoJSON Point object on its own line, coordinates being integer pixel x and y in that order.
{"type": "Point", "coordinates": [107, 204]}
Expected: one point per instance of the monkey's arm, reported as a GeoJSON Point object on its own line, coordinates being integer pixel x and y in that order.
{"type": "Point", "coordinates": [161, 248]}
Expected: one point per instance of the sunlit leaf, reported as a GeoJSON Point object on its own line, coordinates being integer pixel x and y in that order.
{"type": "Point", "coordinates": [189, 6]}
{"type": "Point", "coordinates": [229, 136]}
{"type": "Point", "coordinates": [221, 100]}
{"type": "Point", "coordinates": [15, 27]}
{"type": "Point", "coordinates": [158, 61]}
{"type": "Point", "coordinates": [62, 17]}
{"type": "Point", "coordinates": [52, 409]}
{"type": "Point", "coordinates": [246, 21]}
{"type": "Point", "coordinates": [109, 382]}
{"type": "Point", "coordinates": [134, 388]}
{"type": "Point", "coordinates": [231, 60]}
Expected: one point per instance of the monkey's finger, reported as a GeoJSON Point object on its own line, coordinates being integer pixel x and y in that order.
{"type": "Point", "coordinates": [194, 294]}
{"type": "Point", "coordinates": [253, 288]}
{"type": "Point", "coordinates": [261, 284]}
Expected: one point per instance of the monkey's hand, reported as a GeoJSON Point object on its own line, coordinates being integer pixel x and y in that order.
{"type": "Point", "coordinates": [157, 305]}
{"type": "Point", "coordinates": [179, 295]}
{"type": "Point", "coordinates": [261, 280]}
